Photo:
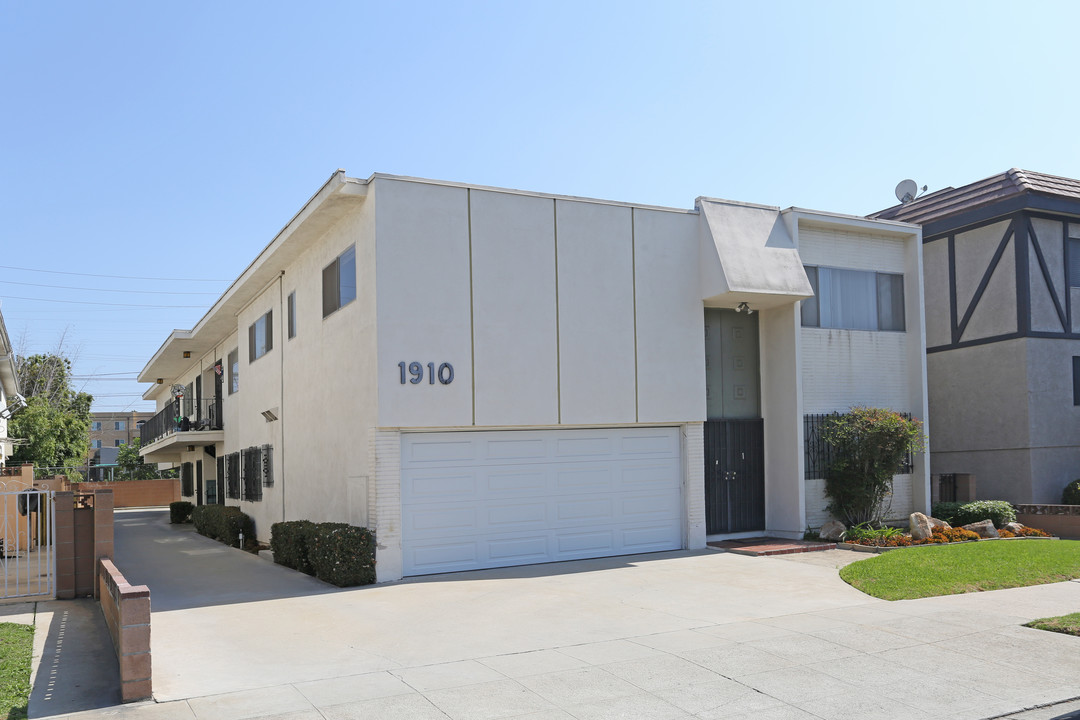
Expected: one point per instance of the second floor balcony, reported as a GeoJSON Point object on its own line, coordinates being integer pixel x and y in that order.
{"type": "Point", "coordinates": [179, 425]}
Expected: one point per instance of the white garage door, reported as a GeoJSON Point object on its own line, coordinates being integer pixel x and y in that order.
{"type": "Point", "coordinates": [491, 499]}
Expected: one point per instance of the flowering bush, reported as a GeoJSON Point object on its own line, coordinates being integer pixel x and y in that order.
{"type": "Point", "coordinates": [869, 445]}
{"type": "Point", "coordinates": [1031, 532]}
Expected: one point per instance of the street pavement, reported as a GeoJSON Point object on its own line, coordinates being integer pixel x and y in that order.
{"type": "Point", "coordinates": [705, 634]}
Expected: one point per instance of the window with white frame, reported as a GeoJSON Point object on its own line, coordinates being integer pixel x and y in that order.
{"type": "Point", "coordinates": [261, 336]}
{"type": "Point", "coordinates": [854, 299]}
{"type": "Point", "coordinates": [339, 282]}
{"type": "Point", "coordinates": [120, 425]}
{"type": "Point", "coordinates": [96, 425]}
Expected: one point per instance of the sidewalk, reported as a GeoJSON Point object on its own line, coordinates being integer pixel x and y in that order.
{"type": "Point", "coordinates": [673, 635]}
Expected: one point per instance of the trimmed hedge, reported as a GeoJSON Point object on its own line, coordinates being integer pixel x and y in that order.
{"type": "Point", "coordinates": [224, 523]}
{"type": "Point", "coordinates": [180, 512]}
{"type": "Point", "coordinates": [1071, 494]}
{"type": "Point", "coordinates": [956, 514]}
{"type": "Point", "coordinates": [337, 553]}
{"type": "Point", "coordinates": [290, 542]}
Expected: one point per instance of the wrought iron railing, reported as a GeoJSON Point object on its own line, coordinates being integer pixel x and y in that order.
{"type": "Point", "coordinates": [167, 422]}
{"type": "Point", "coordinates": [819, 453]}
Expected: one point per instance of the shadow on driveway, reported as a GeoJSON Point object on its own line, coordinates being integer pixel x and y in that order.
{"type": "Point", "coordinates": [186, 570]}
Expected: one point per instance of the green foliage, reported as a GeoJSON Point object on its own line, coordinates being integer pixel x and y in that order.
{"type": "Point", "coordinates": [1067, 624]}
{"type": "Point", "coordinates": [1071, 494]}
{"type": "Point", "coordinates": [291, 543]}
{"type": "Point", "coordinates": [1000, 511]}
{"type": "Point", "coordinates": [343, 555]}
{"type": "Point", "coordinates": [16, 647]}
{"type": "Point", "coordinates": [967, 567]}
{"type": "Point", "coordinates": [56, 419]}
{"type": "Point", "coordinates": [224, 523]}
{"type": "Point", "coordinates": [130, 465]}
{"type": "Point", "coordinates": [867, 532]}
{"type": "Point", "coordinates": [869, 446]}
{"type": "Point", "coordinates": [180, 512]}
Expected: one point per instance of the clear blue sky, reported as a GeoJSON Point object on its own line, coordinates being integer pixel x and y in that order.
{"type": "Point", "coordinates": [173, 140]}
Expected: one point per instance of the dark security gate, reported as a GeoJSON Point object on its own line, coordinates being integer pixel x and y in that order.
{"type": "Point", "coordinates": [734, 476]}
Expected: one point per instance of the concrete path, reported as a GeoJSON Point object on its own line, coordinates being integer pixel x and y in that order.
{"type": "Point", "coordinates": [672, 635]}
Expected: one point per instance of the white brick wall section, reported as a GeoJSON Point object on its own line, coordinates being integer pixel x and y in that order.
{"type": "Point", "coordinates": [694, 493]}
{"type": "Point", "coordinates": [854, 250]}
{"type": "Point", "coordinates": [844, 368]}
{"type": "Point", "coordinates": [816, 502]}
{"type": "Point", "coordinates": [385, 496]}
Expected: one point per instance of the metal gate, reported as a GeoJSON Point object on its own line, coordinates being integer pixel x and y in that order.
{"type": "Point", "coordinates": [734, 476]}
{"type": "Point", "coordinates": [27, 543]}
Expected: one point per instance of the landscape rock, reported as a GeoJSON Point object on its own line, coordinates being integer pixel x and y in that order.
{"type": "Point", "coordinates": [832, 530]}
{"type": "Point", "coordinates": [920, 526]}
{"type": "Point", "coordinates": [983, 528]}
{"type": "Point", "coordinates": [1014, 528]}
{"type": "Point", "coordinates": [935, 523]}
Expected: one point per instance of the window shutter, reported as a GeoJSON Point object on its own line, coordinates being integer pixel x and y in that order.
{"type": "Point", "coordinates": [268, 465]}
{"type": "Point", "coordinates": [251, 342]}
{"type": "Point", "coordinates": [330, 288]}
{"type": "Point", "coordinates": [269, 330]}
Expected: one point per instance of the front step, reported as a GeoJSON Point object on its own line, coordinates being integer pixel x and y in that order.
{"type": "Point", "coordinates": [760, 547]}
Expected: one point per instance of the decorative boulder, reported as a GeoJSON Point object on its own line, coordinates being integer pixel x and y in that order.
{"type": "Point", "coordinates": [935, 523]}
{"type": "Point", "coordinates": [983, 528]}
{"type": "Point", "coordinates": [832, 530]}
{"type": "Point", "coordinates": [1014, 528]}
{"type": "Point", "coordinates": [920, 526]}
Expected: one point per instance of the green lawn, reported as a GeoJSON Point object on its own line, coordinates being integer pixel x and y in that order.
{"type": "Point", "coordinates": [928, 571]}
{"type": "Point", "coordinates": [1068, 624]}
{"type": "Point", "coordinates": [16, 646]}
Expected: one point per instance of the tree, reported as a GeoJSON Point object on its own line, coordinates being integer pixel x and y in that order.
{"type": "Point", "coordinates": [130, 465]}
{"type": "Point", "coordinates": [56, 420]}
{"type": "Point", "coordinates": [869, 446]}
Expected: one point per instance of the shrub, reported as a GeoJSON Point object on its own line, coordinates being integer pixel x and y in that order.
{"type": "Point", "coordinates": [1031, 532]}
{"type": "Point", "coordinates": [180, 512]}
{"type": "Point", "coordinates": [343, 555]}
{"type": "Point", "coordinates": [291, 543]}
{"type": "Point", "coordinates": [1071, 494]}
{"type": "Point", "coordinates": [1000, 511]}
{"type": "Point", "coordinates": [869, 445]}
{"type": "Point", "coordinates": [945, 511]}
{"type": "Point", "coordinates": [224, 523]}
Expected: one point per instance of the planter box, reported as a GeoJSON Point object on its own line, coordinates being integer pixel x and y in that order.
{"type": "Point", "coordinates": [1060, 520]}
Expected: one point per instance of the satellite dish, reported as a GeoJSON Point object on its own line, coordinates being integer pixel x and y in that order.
{"type": "Point", "coordinates": [905, 191]}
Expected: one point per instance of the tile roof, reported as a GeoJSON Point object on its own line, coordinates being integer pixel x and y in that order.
{"type": "Point", "coordinates": [950, 201]}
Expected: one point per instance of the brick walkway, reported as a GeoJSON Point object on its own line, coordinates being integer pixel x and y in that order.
{"type": "Point", "coordinates": [770, 546]}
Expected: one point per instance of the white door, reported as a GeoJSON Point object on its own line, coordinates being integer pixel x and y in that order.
{"type": "Point", "coordinates": [492, 499]}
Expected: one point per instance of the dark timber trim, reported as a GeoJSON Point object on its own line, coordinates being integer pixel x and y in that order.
{"type": "Point", "coordinates": [954, 331]}
{"type": "Point", "coordinates": [1065, 262]}
{"type": "Point", "coordinates": [1046, 275]}
{"type": "Point", "coordinates": [984, 282]}
{"type": "Point", "coordinates": [1023, 274]}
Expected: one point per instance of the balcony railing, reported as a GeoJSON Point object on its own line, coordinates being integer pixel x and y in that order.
{"type": "Point", "coordinates": [205, 416]}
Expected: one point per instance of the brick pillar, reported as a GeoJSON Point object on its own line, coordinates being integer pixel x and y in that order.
{"type": "Point", "coordinates": [64, 510]}
{"type": "Point", "coordinates": [103, 525]}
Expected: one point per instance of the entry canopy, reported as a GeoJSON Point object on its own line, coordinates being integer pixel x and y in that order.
{"type": "Point", "coordinates": [748, 254]}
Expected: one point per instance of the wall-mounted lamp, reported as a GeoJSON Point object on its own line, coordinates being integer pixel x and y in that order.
{"type": "Point", "coordinates": [187, 354]}
{"type": "Point", "coordinates": [744, 307]}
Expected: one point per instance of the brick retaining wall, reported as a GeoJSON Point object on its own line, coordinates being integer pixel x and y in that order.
{"type": "Point", "coordinates": [127, 613]}
{"type": "Point", "coordinates": [1060, 520]}
{"type": "Point", "coordinates": [135, 493]}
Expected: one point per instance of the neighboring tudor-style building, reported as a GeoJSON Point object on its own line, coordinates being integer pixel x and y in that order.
{"type": "Point", "coordinates": [1002, 269]}
{"type": "Point", "coordinates": [489, 377]}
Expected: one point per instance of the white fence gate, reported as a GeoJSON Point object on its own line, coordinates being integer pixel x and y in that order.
{"type": "Point", "coordinates": [27, 543]}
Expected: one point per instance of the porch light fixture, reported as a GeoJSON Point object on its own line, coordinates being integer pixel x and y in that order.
{"type": "Point", "coordinates": [187, 354]}
{"type": "Point", "coordinates": [744, 307]}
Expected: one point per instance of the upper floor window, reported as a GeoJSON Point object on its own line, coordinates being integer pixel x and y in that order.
{"type": "Point", "coordinates": [1074, 262]}
{"type": "Point", "coordinates": [234, 370]}
{"type": "Point", "coordinates": [854, 300]}
{"type": "Point", "coordinates": [96, 425]}
{"type": "Point", "coordinates": [261, 336]}
{"type": "Point", "coordinates": [339, 282]}
{"type": "Point", "coordinates": [120, 425]}
{"type": "Point", "coordinates": [292, 314]}
{"type": "Point", "coordinates": [96, 444]}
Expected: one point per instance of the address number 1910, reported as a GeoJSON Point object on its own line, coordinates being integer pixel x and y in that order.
{"type": "Point", "coordinates": [445, 373]}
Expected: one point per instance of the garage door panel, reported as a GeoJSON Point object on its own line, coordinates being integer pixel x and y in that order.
{"type": "Point", "coordinates": [521, 497]}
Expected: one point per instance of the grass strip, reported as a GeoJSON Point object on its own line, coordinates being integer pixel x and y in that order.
{"type": "Point", "coordinates": [16, 648]}
{"type": "Point", "coordinates": [929, 571]}
{"type": "Point", "coordinates": [1068, 624]}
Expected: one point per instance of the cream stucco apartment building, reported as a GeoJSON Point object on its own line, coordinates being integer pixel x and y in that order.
{"type": "Point", "coordinates": [488, 377]}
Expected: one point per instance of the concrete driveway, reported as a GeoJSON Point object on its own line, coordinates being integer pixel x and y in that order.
{"type": "Point", "coordinates": [671, 635]}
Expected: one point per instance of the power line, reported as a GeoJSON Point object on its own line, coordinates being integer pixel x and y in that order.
{"type": "Point", "coordinates": [87, 302]}
{"type": "Point", "coordinates": [114, 277]}
{"type": "Point", "coordinates": [112, 290]}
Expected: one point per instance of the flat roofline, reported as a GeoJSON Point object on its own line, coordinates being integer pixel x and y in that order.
{"type": "Point", "coordinates": [890, 226]}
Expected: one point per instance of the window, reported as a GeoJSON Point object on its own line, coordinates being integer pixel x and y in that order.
{"type": "Point", "coordinates": [1076, 380]}
{"type": "Point", "coordinates": [95, 444]}
{"type": "Point", "coordinates": [339, 282]}
{"type": "Point", "coordinates": [854, 300]}
{"type": "Point", "coordinates": [261, 336]}
{"type": "Point", "coordinates": [232, 476]}
{"type": "Point", "coordinates": [120, 425]}
{"type": "Point", "coordinates": [234, 370]}
{"type": "Point", "coordinates": [257, 471]}
{"type": "Point", "coordinates": [117, 443]}
{"type": "Point", "coordinates": [292, 315]}
{"type": "Point", "coordinates": [140, 423]}
{"type": "Point", "coordinates": [96, 425]}
{"type": "Point", "coordinates": [1074, 262]}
